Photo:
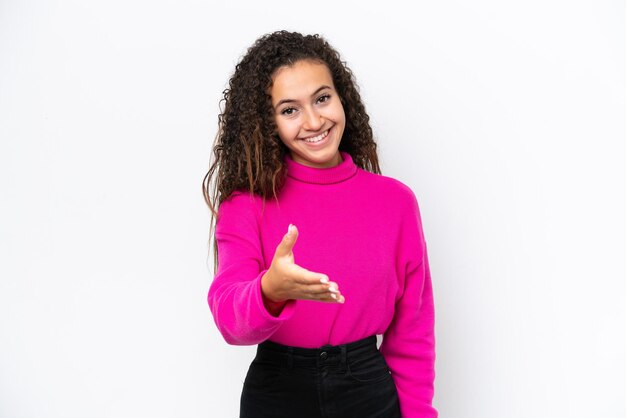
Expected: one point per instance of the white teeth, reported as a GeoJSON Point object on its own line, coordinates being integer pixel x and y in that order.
{"type": "Point", "coordinates": [317, 138]}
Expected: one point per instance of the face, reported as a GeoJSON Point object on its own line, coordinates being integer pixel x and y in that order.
{"type": "Point", "coordinates": [308, 113]}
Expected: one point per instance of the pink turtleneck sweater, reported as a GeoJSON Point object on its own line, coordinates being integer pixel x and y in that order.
{"type": "Point", "coordinates": [361, 229]}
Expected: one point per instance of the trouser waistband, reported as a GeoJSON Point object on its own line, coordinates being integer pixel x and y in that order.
{"type": "Point", "coordinates": [291, 356]}
{"type": "Point", "coordinates": [314, 352]}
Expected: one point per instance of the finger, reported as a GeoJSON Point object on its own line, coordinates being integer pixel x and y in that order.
{"type": "Point", "coordinates": [330, 288]}
{"type": "Point", "coordinates": [339, 299]}
{"type": "Point", "coordinates": [333, 287]}
{"type": "Point", "coordinates": [289, 240]}
{"type": "Point", "coordinates": [319, 289]}
{"type": "Point", "coordinates": [325, 294]}
{"type": "Point", "coordinates": [307, 277]}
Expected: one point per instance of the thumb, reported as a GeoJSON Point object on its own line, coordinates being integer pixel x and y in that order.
{"type": "Point", "coordinates": [289, 239]}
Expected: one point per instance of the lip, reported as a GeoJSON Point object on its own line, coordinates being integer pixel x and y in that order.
{"type": "Point", "coordinates": [322, 142]}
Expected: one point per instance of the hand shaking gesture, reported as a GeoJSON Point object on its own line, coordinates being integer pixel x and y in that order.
{"type": "Point", "coordinates": [287, 280]}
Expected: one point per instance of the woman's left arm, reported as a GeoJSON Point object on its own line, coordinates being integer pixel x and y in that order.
{"type": "Point", "coordinates": [409, 343]}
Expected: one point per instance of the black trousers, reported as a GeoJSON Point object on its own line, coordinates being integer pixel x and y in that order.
{"type": "Point", "coordinates": [342, 381]}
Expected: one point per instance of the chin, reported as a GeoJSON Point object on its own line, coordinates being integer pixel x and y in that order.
{"type": "Point", "coordinates": [311, 159]}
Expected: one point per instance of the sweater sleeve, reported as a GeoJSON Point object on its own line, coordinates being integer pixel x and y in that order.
{"type": "Point", "coordinates": [409, 343]}
{"type": "Point", "coordinates": [234, 296]}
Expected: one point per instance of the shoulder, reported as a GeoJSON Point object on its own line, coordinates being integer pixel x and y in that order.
{"type": "Point", "coordinates": [240, 204]}
{"type": "Point", "coordinates": [240, 197]}
{"type": "Point", "coordinates": [392, 189]}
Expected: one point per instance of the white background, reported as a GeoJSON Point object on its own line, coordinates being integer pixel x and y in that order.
{"type": "Point", "coordinates": [507, 119]}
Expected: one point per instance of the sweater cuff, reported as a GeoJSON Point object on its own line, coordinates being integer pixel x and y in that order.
{"type": "Point", "coordinates": [285, 313]}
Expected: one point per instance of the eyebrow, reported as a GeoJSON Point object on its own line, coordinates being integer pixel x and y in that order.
{"type": "Point", "coordinates": [292, 100]}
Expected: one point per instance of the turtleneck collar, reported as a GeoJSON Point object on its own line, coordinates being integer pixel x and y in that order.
{"type": "Point", "coordinates": [341, 172]}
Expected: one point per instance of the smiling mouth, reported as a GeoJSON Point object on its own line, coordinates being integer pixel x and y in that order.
{"type": "Point", "coordinates": [317, 138]}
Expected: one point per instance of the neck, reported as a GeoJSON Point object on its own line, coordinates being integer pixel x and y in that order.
{"type": "Point", "coordinates": [342, 171]}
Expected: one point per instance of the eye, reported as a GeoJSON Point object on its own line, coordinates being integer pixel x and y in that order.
{"type": "Point", "coordinates": [288, 111]}
{"type": "Point", "coordinates": [324, 98]}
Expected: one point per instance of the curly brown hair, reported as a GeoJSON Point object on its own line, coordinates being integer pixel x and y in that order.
{"type": "Point", "coordinates": [248, 153]}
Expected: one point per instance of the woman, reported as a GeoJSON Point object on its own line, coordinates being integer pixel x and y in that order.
{"type": "Point", "coordinates": [316, 252]}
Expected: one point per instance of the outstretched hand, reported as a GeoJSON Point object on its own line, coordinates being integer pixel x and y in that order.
{"type": "Point", "coordinates": [286, 280]}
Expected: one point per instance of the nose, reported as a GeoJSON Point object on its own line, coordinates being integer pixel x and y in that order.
{"type": "Point", "coordinates": [313, 120]}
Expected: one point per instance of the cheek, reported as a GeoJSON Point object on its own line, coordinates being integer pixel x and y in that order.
{"type": "Point", "coordinates": [340, 115]}
{"type": "Point", "coordinates": [287, 130]}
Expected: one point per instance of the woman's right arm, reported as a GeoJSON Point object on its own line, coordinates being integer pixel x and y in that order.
{"type": "Point", "coordinates": [237, 303]}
